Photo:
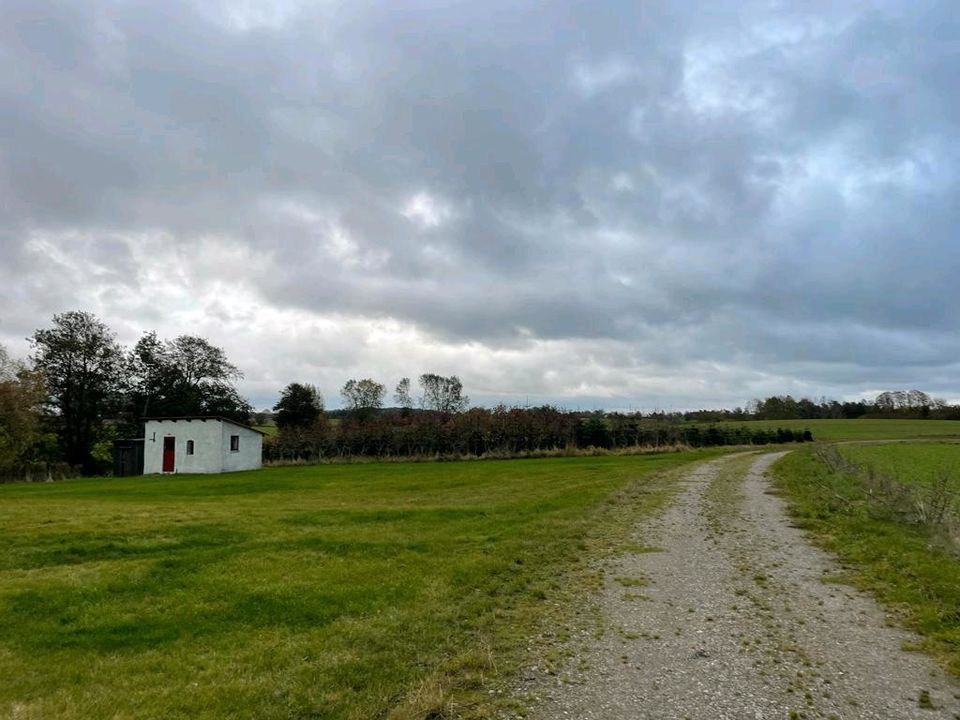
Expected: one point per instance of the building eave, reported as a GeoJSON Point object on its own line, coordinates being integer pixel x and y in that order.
{"type": "Point", "coordinates": [191, 418]}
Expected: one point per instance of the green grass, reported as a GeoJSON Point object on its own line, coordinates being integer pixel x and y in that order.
{"type": "Point", "coordinates": [912, 463]}
{"type": "Point", "coordinates": [352, 591]}
{"type": "Point", "coordinates": [904, 565]}
{"type": "Point", "coordinates": [863, 429]}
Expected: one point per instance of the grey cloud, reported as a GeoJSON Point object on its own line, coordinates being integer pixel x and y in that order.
{"type": "Point", "coordinates": [698, 181]}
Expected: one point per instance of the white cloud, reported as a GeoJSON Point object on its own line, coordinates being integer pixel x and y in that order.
{"type": "Point", "coordinates": [248, 15]}
{"type": "Point", "coordinates": [592, 78]}
{"type": "Point", "coordinates": [427, 211]}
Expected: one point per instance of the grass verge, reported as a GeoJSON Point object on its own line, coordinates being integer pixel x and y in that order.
{"type": "Point", "coordinates": [903, 564]}
{"type": "Point", "coordinates": [368, 591]}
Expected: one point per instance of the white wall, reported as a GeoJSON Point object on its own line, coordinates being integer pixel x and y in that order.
{"type": "Point", "coordinates": [250, 454]}
{"type": "Point", "coordinates": [211, 446]}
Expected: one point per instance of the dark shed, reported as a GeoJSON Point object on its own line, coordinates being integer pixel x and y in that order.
{"type": "Point", "coordinates": [128, 457]}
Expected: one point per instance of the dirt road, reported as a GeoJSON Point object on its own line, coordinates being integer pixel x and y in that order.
{"type": "Point", "coordinates": [731, 614]}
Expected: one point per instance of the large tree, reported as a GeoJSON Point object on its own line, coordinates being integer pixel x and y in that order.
{"type": "Point", "coordinates": [184, 376]}
{"type": "Point", "coordinates": [21, 393]}
{"type": "Point", "coordinates": [302, 423]}
{"type": "Point", "coordinates": [299, 406]}
{"type": "Point", "coordinates": [363, 397]}
{"type": "Point", "coordinates": [401, 396]}
{"type": "Point", "coordinates": [82, 367]}
{"type": "Point", "coordinates": [443, 394]}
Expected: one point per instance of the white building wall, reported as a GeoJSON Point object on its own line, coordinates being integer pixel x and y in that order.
{"type": "Point", "coordinates": [250, 454]}
{"type": "Point", "coordinates": [211, 446]}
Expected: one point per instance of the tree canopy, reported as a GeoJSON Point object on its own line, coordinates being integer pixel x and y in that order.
{"type": "Point", "coordinates": [82, 367]}
{"type": "Point", "coordinates": [21, 393]}
{"type": "Point", "coordinates": [401, 395]}
{"type": "Point", "coordinates": [299, 406]}
{"type": "Point", "coordinates": [443, 394]}
{"type": "Point", "coordinates": [184, 376]}
{"type": "Point", "coordinates": [363, 397]}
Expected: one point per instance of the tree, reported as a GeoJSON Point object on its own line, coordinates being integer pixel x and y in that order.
{"type": "Point", "coordinates": [402, 396]}
{"type": "Point", "coordinates": [184, 376]}
{"type": "Point", "coordinates": [303, 430]}
{"type": "Point", "coordinates": [299, 406]}
{"type": "Point", "coordinates": [262, 417]}
{"type": "Point", "coordinates": [886, 402]}
{"type": "Point", "coordinates": [594, 432]}
{"type": "Point", "coordinates": [778, 407]}
{"type": "Point", "coordinates": [363, 397]}
{"type": "Point", "coordinates": [83, 370]}
{"type": "Point", "coordinates": [307, 442]}
{"type": "Point", "coordinates": [149, 370]}
{"type": "Point", "coordinates": [21, 393]}
{"type": "Point", "coordinates": [443, 394]}
{"type": "Point", "coordinates": [852, 409]}
{"type": "Point", "coordinates": [807, 409]}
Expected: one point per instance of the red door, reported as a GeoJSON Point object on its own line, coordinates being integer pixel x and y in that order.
{"type": "Point", "coordinates": [169, 453]}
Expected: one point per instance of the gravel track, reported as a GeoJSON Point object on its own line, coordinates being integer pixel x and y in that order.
{"type": "Point", "coordinates": [730, 617]}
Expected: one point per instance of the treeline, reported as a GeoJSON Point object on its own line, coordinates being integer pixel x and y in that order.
{"type": "Point", "coordinates": [906, 404]}
{"type": "Point", "coordinates": [80, 389]}
{"type": "Point", "coordinates": [443, 427]}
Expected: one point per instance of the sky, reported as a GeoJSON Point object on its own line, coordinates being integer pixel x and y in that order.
{"type": "Point", "coordinates": [627, 205]}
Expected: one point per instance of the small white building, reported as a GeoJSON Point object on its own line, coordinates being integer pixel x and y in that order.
{"type": "Point", "coordinates": [199, 445]}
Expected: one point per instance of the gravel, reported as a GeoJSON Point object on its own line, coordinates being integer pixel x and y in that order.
{"type": "Point", "coordinates": [733, 616]}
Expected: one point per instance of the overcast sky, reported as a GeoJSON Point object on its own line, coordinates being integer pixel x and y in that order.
{"type": "Point", "coordinates": [597, 204]}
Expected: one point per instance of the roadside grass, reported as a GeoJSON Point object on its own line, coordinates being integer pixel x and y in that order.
{"type": "Point", "coordinates": [398, 591]}
{"type": "Point", "coordinates": [861, 429]}
{"type": "Point", "coordinates": [903, 564]}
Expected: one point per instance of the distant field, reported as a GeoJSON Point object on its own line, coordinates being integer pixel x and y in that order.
{"type": "Point", "coordinates": [840, 430]}
{"type": "Point", "coordinates": [353, 591]}
{"type": "Point", "coordinates": [267, 429]}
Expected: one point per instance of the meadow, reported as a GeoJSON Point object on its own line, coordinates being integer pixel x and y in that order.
{"type": "Point", "coordinates": [921, 464]}
{"type": "Point", "coordinates": [350, 591]}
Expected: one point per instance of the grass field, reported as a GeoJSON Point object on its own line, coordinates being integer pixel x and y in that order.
{"type": "Point", "coordinates": [909, 566]}
{"type": "Point", "coordinates": [354, 591]}
{"type": "Point", "coordinates": [913, 463]}
{"type": "Point", "coordinates": [863, 429]}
